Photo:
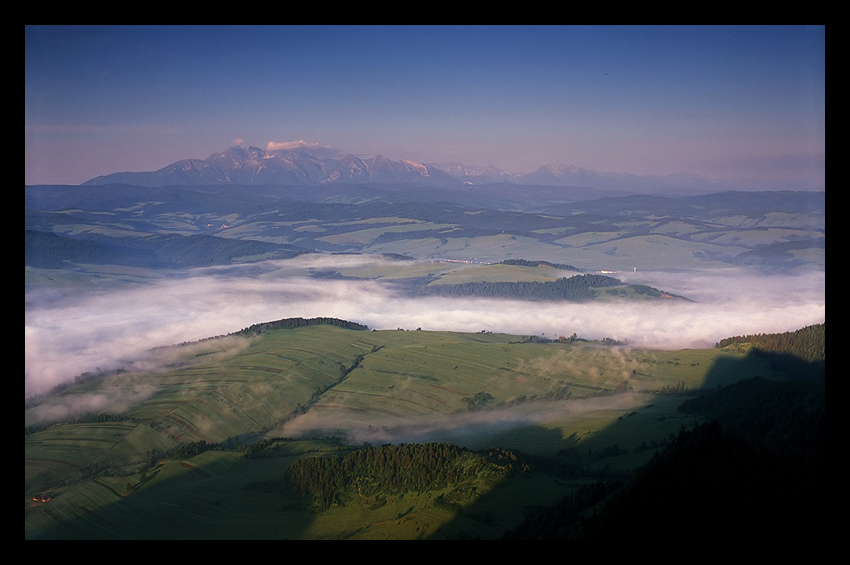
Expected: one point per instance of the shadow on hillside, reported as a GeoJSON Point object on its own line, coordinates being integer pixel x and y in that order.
{"type": "Point", "coordinates": [246, 505]}
{"type": "Point", "coordinates": [757, 363]}
{"type": "Point", "coordinates": [728, 370]}
{"type": "Point", "coordinates": [532, 438]}
{"type": "Point", "coordinates": [760, 449]}
{"type": "Point", "coordinates": [560, 467]}
{"type": "Point", "coordinates": [196, 504]}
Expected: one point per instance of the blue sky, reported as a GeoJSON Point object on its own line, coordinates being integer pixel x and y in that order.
{"type": "Point", "coordinates": [730, 102]}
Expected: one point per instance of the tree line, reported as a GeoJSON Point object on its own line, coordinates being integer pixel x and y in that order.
{"type": "Point", "coordinates": [808, 343]}
{"type": "Point", "coordinates": [291, 323]}
{"type": "Point", "coordinates": [799, 354]}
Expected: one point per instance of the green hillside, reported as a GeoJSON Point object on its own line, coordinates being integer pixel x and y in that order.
{"type": "Point", "coordinates": [200, 448]}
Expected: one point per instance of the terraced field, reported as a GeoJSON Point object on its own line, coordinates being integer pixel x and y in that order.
{"type": "Point", "coordinates": [112, 477]}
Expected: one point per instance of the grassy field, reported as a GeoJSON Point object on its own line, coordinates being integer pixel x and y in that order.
{"type": "Point", "coordinates": [107, 479]}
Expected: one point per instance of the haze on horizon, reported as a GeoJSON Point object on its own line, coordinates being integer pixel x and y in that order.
{"type": "Point", "coordinates": [721, 101]}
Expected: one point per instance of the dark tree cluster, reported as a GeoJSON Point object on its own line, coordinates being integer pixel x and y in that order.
{"type": "Point", "coordinates": [371, 472]}
{"type": "Point", "coordinates": [291, 323]}
{"type": "Point", "coordinates": [798, 354]}
{"type": "Point", "coordinates": [808, 343]}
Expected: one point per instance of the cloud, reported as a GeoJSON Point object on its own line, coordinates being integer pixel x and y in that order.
{"type": "Point", "coordinates": [67, 334]}
{"type": "Point", "coordinates": [297, 145]}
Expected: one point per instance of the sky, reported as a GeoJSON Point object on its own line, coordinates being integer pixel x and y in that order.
{"type": "Point", "coordinates": [722, 101]}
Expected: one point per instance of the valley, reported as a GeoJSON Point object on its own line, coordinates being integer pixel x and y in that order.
{"type": "Point", "coordinates": [188, 345]}
{"type": "Point", "coordinates": [426, 283]}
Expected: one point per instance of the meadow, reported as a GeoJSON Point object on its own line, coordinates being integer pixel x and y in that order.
{"type": "Point", "coordinates": [319, 390]}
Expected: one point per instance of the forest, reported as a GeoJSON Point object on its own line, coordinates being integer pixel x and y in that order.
{"type": "Point", "coordinates": [290, 323]}
{"type": "Point", "coordinates": [808, 343]}
{"type": "Point", "coordinates": [369, 472]}
{"type": "Point", "coordinates": [800, 353]}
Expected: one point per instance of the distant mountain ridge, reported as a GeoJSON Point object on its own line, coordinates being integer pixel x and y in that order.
{"type": "Point", "coordinates": [254, 166]}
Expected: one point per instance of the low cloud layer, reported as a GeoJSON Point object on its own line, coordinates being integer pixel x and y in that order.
{"type": "Point", "coordinates": [110, 401]}
{"type": "Point", "coordinates": [66, 335]}
{"type": "Point", "coordinates": [473, 429]}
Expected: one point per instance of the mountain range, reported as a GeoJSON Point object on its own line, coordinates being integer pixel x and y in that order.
{"type": "Point", "coordinates": [254, 166]}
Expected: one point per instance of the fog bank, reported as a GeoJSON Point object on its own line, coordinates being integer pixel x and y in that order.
{"type": "Point", "coordinates": [69, 334]}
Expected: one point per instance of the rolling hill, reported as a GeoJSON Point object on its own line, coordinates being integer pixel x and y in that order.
{"type": "Point", "coordinates": [200, 448]}
{"type": "Point", "coordinates": [772, 232]}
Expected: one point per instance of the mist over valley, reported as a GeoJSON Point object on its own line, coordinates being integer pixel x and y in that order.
{"type": "Point", "coordinates": [425, 283]}
{"type": "Point", "coordinates": [182, 336]}
{"type": "Point", "coordinates": [68, 333]}
{"type": "Point", "coordinates": [116, 271]}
